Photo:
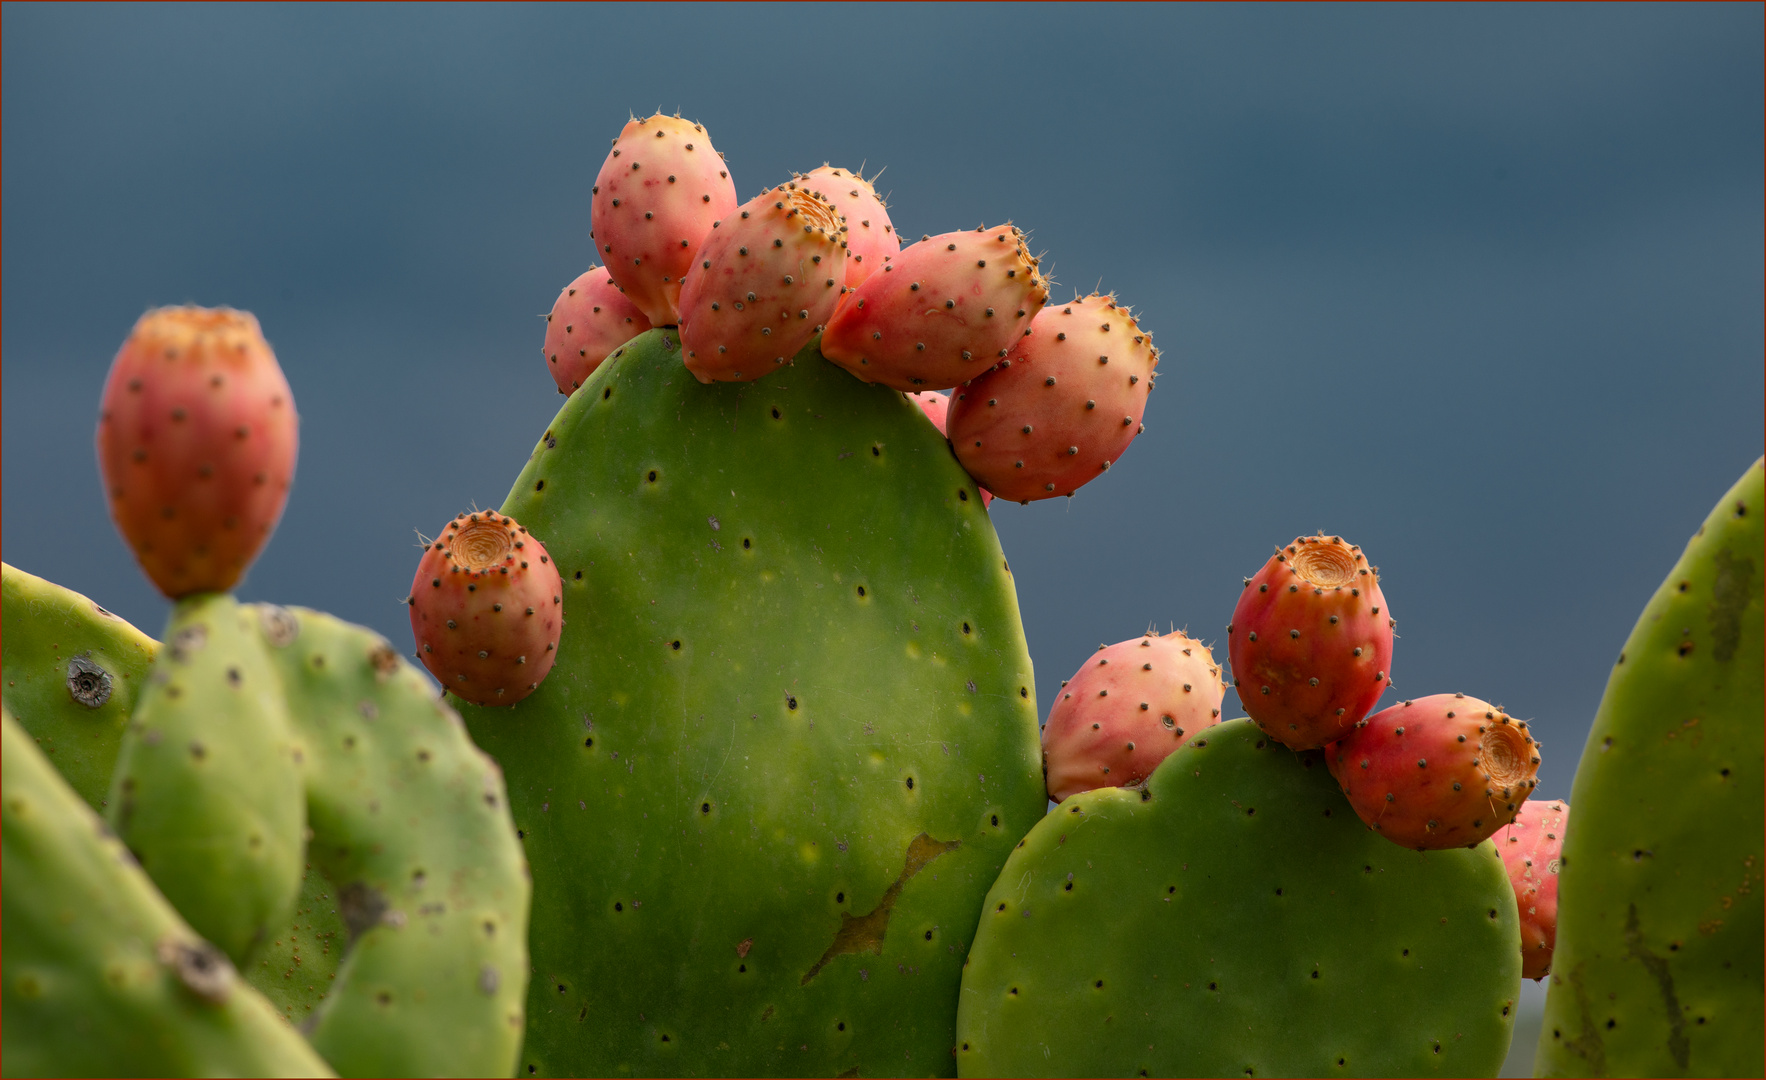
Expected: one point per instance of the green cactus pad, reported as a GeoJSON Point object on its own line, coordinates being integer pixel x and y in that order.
{"type": "Point", "coordinates": [1236, 919]}
{"type": "Point", "coordinates": [1657, 969]}
{"type": "Point", "coordinates": [73, 672]}
{"type": "Point", "coordinates": [207, 790]}
{"type": "Point", "coordinates": [299, 966]}
{"type": "Point", "coordinates": [790, 737]}
{"type": "Point", "coordinates": [100, 977]}
{"type": "Point", "coordinates": [411, 822]}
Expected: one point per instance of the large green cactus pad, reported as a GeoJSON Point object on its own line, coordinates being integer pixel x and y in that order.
{"type": "Point", "coordinates": [1658, 969]}
{"type": "Point", "coordinates": [73, 671]}
{"type": "Point", "coordinates": [100, 977]}
{"type": "Point", "coordinates": [791, 733]}
{"type": "Point", "coordinates": [411, 823]}
{"type": "Point", "coordinates": [1236, 919]}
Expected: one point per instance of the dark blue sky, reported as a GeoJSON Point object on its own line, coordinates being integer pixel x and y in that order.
{"type": "Point", "coordinates": [1479, 288]}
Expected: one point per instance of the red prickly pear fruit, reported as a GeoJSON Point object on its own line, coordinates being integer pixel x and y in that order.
{"type": "Point", "coordinates": [766, 281]}
{"type": "Point", "coordinates": [936, 407]}
{"type": "Point", "coordinates": [1532, 847]}
{"type": "Point", "coordinates": [197, 439]}
{"type": "Point", "coordinates": [486, 609]}
{"type": "Point", "coordinates": [1062, 407]}
{"type": "Point", "coordinates": [590, 319]}
{"type": "Point", "coordinates": [942, 312]}
{"type": "Point", "coordinates": [1311, 642]}
{"type": "Point", "coordinates": [1439, 772]}
{"type": "Point", "coordinates": [1126, 710]}
{"type": "Point", "coordinates": [657, 194]}
{"type": "Point", "coordinates": [871, 239]}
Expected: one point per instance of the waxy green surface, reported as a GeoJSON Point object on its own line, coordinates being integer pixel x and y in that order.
{"type": "Point", "coordinates": [410, 823]}
{"type": "Point", "coordinates": [1658, 965]}
{"type": "Point", "coordinates": [91, 982]}
{"type": "Point", "coordinates": [790, 737]}
{"type": "Point", "coordinates": [207, 789]}
{"type": "Point", "coordinates": [52, 634]}
{"type": "Point", "coordinates": [1237, 919]}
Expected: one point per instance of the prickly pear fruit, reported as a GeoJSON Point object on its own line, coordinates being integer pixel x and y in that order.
{"type": "Point", "coordinates": [1063, 405]}
{"type": "Point", "coordinates": [1311, 642]}
{"type": "Point", "coordinates": [871, 240]}
{"type": "Point", "coordinates": [654, 201]}
{"type": "Point", "coordinates": [942, 312]}
{"type": "Point", "coordinates": [1531, 846]}
{"type": "Point", "coordinates": [486, 609]}
{"type": "Point", "coordinates": [590, 319]}
{"type": "Point", "coordinates": [766, 281]}
{"type": "Point", "coordinates": [1129, 707]}
{"type": "Point", "coordinates": [197, 437]}
{"type": "Point", "coordinates": [1439, 772]}
{"type": "Point", "coordinates": [936, 406]}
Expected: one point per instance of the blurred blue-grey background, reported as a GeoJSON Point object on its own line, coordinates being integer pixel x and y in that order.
{"type": "Point", "coordinates": [1479, 288]}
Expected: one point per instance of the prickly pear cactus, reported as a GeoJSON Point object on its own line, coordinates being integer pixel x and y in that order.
{"type": "Point", "coordinates": [100, 977]}
{"type": "Point", "coordinates": [73, 671]}
{"type": "Point", "coordinates": [1235, 919]}
{"type": "Point", "coordinates": [1657, 970]}
{"type": "Point", "coordinates": [790, 737]}
{"type": "Point", "coordinates": [410, 822]}
{"type": "Point", "coordinates": [207, 789]}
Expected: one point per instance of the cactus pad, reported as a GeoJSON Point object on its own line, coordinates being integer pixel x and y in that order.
{"type": "Point", "coordinates": [1235, 919]}
{"type": "Point", "coordinates": [790, 737]}
{"type": "Point", "coordinates": [1657, 970]}
{"type": "Point", "coordinates": [410, 822]}
{"type": "Point", "coordinates": [73, 672]}
{"type": "Point", "coordinates": [100, 976]}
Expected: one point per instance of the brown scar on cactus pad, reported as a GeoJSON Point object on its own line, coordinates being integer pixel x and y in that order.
{"type": "Point", "coordinates": [197, 438]}
{"type": "Point", "coordinates": [1311, 641]}
{"type": "Point", "coordinates": [486, 609]}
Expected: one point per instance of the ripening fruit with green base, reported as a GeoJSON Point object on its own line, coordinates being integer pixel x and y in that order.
{"type": "Point", "coordinates": [197, 438]}
{"type": "Point", "coordinates": [1657, 970]}
{"type": "Point", "coordinates": [1234, 919]}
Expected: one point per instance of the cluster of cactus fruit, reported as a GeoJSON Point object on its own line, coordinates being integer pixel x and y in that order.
{"type": "Point", "coordinates": [781, 785]}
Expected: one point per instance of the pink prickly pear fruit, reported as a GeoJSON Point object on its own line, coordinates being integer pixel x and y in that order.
{"type": "Point", "coordinates": [658, 192]}
{"type": "Point", "coordinates": [766, 281]}
{"type": "Point", "coordinates": [1439, 772]}
{"type": "Point", "coordinates": [940, 313]}
{"type": "Point", "coordinates": [590, 319]}
{"type": "Point", "coordinates": [1062, 407]}
{"type": "Point", "coordinates": [1532, 848]}
{"type": "Point", "coordinates": [197, 439]}
{"type": "Point", "coordinates": [936, 407]}
{"type": "Point", "coordinates": [871, 239]}
{"type": "Point", "coordinates": [486, 609]}
{"type": "Point", "coordinates": [1311, 642]}
{"type": "Point", "coordinates": [1126, 710]}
